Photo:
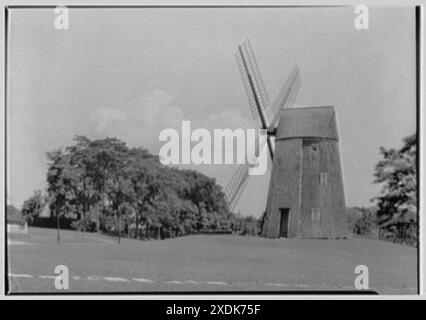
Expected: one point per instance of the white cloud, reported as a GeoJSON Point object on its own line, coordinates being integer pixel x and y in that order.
{"type": "Point", "coordinates": [106, 117]}
{"type": "Point", "coordinates": [140, 120]}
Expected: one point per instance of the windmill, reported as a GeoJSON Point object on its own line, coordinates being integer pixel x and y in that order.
{"type": "Point", "coordinates": [306, 196]}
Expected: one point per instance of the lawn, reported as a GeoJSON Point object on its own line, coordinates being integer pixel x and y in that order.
{"type": "Point", "coordinates": [205, 263]}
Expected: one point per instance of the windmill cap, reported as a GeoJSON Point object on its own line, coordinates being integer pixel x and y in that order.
{"type": "Point", "coordinates": [318, 122]}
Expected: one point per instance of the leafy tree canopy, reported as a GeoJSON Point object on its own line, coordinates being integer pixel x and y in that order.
{"type": "Point", "coordinates": [105, 180]}
{"type": "Point", "coordinates": [397, 203]}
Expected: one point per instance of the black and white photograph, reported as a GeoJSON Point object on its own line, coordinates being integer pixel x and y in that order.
{"type": "Point", "coordinates": [268, 150]}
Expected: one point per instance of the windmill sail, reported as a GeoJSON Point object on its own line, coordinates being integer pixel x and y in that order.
{"type": "Point", "coordinates": [247, 86]}
{"type": "Point", "coordinates": [258, 78]}
{"type": "Point", "coordinates": [253, 85]}
{"type": "Point", "coordinates": [293, 93]}
{"type": "Point", "coordinates": [287, 95]}
{"type": "Point", "coordinates": [238, 182]}
{"type": "Point", "coordinates": [236, 185]}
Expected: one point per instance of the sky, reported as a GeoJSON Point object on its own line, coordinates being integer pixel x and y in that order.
{"type": "Point", "coordinates": [129, 73]}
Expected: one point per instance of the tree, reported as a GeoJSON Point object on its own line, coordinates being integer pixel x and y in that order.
{"type": "Point", "coordinates": [84, 171]}
{"type": "Point", "coordinates": [397, 203]}
{"type": "Point", "coordinates": [61, 180]}
{"type": "Point", "coordinates": [362, 221]}
{"type": "Point", "coordinates": [80, 177]}
{"type": "Point", "coordinates": [33, 206]}
{"type": "Point", "coordinates": [208, 196]}
{"type": "Point", "coordinates": [145, 179]}
{"type": "Point", "coordinates": [121, 196]}
{"type": "Point", "coordinates": [250, 226]}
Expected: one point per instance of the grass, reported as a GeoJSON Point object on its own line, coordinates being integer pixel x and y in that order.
{"type": "Point", "coordinates": [206, 263]}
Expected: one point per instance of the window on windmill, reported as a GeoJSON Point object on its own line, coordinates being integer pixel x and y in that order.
{"type": "Point", "coordinates": [315, 214]}
{"type": "Point", "coordinates": [323, 177]}
{"type": "Point", "coordinates": [314, 147]}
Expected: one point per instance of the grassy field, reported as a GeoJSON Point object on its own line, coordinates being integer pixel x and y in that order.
{"type": "Point", "coordinates": [205, 263]}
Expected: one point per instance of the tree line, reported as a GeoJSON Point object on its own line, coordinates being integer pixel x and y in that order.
{"type": "Point", "coordinates": [103, 185]}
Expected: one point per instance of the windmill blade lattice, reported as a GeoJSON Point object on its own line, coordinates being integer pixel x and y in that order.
{"type": "Point", "coordinates": [236, 185]}
{"type": "Point", "coordinates": [258, 78]}
{"type": "Point", "coordinates": [287, 95]}
{"type": "Point", "coordinates": [238, 182]}
{"type": "Point", "coordinates": [246, 82]}
{"type": "Point", "coordinates": [253, 83]}
{"type": "Point", "coordinates": [293, 93]}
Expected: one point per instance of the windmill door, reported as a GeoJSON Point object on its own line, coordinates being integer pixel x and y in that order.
{"type": "Point", "coordinates": [285, 217]}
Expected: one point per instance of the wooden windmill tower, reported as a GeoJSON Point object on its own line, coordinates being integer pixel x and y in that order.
{"type": "Point", "coordinates": [306, 196]}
